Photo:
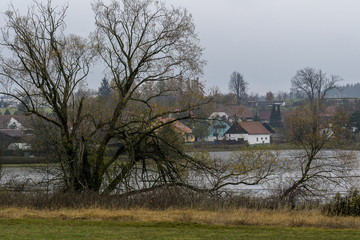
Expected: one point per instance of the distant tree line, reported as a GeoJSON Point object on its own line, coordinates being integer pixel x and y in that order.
{"type": "Point", "coordinates": [348, 90]}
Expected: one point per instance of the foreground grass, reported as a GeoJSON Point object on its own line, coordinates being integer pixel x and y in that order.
{"type": "Point", "coordinates": [236, 217]}
{"type": "Point", "coordinates": [97, 229]}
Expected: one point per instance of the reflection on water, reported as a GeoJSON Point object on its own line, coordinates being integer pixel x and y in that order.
{"type": "Point", "coordinates": [48, 178]}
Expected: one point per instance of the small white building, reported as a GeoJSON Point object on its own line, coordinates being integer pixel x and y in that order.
{"type": "Point", "coordinates": [14, 124]}
{"type": "Point", "coordinates": [251, 132]}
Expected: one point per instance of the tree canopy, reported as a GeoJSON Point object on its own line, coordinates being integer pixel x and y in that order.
{"type": "Point", "coordinates": [313, 83]}
{"type": "Point", "coordinates": [141, 42]}
{"type": "Point", "coordinates": [238, 86]}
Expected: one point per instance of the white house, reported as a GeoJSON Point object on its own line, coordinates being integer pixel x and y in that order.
{"type": "Point", "coordinates": [251, 132]}
{"type": "Point", "coordinates": [14, 124]}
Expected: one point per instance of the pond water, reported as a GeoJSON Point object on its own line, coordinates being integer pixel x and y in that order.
{"type": "Point", "coordinates": [46, 178]}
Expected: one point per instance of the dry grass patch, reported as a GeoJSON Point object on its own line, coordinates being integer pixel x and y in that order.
{"type": "Point", "coordinates": [284, 218]}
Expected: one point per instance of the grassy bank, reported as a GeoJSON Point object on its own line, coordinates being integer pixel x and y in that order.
{"type": "Point", "coordinates": [80, 229]}
{"type": "Point", "coordinates": [276, 218]}
{"type": "Point", "coordinates": [23, 223]}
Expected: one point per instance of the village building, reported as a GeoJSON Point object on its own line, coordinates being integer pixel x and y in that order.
{"type": "Point", "coordinates": [182, 129]}
{"type": "Point", "coordinates": [232, 113]}
{"type": "Point", "coordinates": [14, 132]}
{"type": "Point", "coordinates": [266, 103]}
{"type": "Point", "coordinates": [250, 132]}
{"type": "Point", "coordinates": [217, 129]}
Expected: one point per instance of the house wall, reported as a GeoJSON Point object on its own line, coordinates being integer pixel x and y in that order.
{"type": "Point", "coordinates": [236, 136]}
{"type": "Point", "coordinates": [14, 124]}
{"type": "Point", "coordinates": [251, 139]}
{"type": "Point", "coordinates": [5, 141]}
{"type": "Point", "coordinates": [215, 132]}
{"type": "Point", "coordinates": [233, 119]}
{"type": "Point", "coordinates": [216, 115]}
{"type": "Point", "coordinates": [259, 139]}
{"type": "Point", "coordinates": [189, 138]}
{"type": "Point", "coordinates": [214, 138]}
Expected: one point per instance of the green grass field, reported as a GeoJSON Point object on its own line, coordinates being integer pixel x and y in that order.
{"type": "Point", "coordinates": [95, 229]}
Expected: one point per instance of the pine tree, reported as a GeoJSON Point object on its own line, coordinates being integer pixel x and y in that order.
{"type": "Point", "coordinates": [275, 117]}
{"type": "Point", "coordinates": [7, 112]}
{"type": "Point", "coordinates": [256, 118]}
{"type": "Point", "coordinates": [104, 89]}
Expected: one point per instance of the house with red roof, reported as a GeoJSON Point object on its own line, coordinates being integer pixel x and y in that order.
{"type": "Point", "coordinates": [250, 132]}
{"type": "Point", "coordinates": [180, 128]}
{"type": "Point", "coordinates": [264, 116]}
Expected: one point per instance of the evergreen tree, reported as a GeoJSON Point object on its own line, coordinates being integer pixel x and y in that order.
{"type": "Point", "coordinates": [355, 120]}
{"type": "Point", "coordinates": [104, 89]}
{"type": "Point", "coordinates": [256, 118]}
{"type": "Point", "coordinates": [7, 112]}
{"type": "Point", "coordinates": [21, 107]}
{"type": "Point", "coordinates": [278, 114]}
{"type": "Point", "coordinates": [275, 117]}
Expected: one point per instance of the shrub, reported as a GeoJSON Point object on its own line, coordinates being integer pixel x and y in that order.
{"type": "Point", "coordinates": [344, 206]}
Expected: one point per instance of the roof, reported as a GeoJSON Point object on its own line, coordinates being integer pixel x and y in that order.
{"type": "Point", "coordinates": [232, 110]}
{"type": "Point", "coordinates": [235, 129]}
{"type": "Point", "coordinates": [264, 115]}
{"type": "Point", "coordinates": [11, 132]}
{"type": "Point", "coordinates": [221, 121]}
{"type": "Point", "coordinates": [252, 128]}
{"type": "Point", "coordinates": [267, 126]}
{"type": "Point", "coordinates": [5, 119]}
{"type": "Point", "coordinates": [287, 113]}
{"type": "Point", "coordinates": [180, 127]}
{"type": "Point", "coordinates": [330, 111]}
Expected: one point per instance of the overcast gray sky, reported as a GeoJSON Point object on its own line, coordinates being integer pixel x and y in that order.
{"type": "Point", "coordinates": [265, 40]}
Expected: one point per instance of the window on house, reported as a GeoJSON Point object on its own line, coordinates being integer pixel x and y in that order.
{"type": "Point", "coordinates": [257, 139]}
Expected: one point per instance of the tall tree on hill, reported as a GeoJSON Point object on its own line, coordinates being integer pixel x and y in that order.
{"type": "Point", "coordinates": [314, 84]}
{"type": "Point", "coordinates": [238, 86]}
{"type": "Point", "coordinates": [269, 96]}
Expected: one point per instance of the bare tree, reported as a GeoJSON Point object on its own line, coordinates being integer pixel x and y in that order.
{"type": "Point", "coordinates": [141, 42]}
{"type": "Point", "coordinates": [238, 86]}
{"type": "Point", "coordinates": [46, 68]}
{"type": "Point", "coordinates": [312, 133]}
{"type": "Point", "coordinates": [247, 166]}
{"type": "Point", "coordinates": [313, 169]}
{"type": "Point", "coordinates": [314, 84]}
{"type": "Point", "coordinates": [269, 96]}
